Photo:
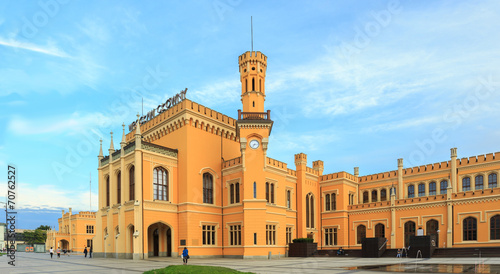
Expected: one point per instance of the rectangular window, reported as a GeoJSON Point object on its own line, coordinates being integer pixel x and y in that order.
{"type": "Point", "coordinates": [288, 199]}
{"type": "Point", "coordinates": [331, 236]}
{"type": "Point", "coordinates": [255, 238]}
{"type": "Point", "coordinates": [271, 234]}
{"type": "Point", "coordinates": [89, 243]}
{"type": "Point", "coordinates": [288, 235]}
{"type": "Point", "coordinates": [90, 229]}
{"type": "Point", "coordinates": [234, 193]}
{"type": "Point", "coordinates": [208, 234]}
{"type": "Point", "coordinates": [235, 235]}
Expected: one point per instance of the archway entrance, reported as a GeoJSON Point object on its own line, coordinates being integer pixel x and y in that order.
{"type": "Point", "coordinates": [159, 240]}
{"type": "Point", "coordinates": [432, 228]}
{"type": "Point", "coordinates": [64, 245]}
{"type": "Point", "coordinates": [409, 231]}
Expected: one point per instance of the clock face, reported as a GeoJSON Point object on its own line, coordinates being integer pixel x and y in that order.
{"type": "Point", "coordinates": [254, 144]}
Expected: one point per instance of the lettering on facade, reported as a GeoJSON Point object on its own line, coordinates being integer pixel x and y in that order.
{"type": "Point", "coordinates": [174, 100]}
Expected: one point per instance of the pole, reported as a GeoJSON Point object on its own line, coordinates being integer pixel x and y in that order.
{"type": "Point", "coordinates": [251, 30]}
{"type": "Point", "coordinates": [90, 190]}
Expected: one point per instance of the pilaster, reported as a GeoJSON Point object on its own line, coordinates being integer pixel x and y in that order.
{"type": "Point", "coordinates": [400, 179]}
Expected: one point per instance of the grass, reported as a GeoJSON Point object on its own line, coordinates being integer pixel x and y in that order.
{"type": "Point", "coordinates": [193, 269]}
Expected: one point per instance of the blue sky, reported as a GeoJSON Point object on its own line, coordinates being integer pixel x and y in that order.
{"type": "Point", "coordinates": [352, 83]}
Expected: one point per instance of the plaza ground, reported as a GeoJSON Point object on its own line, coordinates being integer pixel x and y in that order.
{"type": "Point", "coordinates": [41, 263]}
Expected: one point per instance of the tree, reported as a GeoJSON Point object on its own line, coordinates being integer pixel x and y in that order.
{"type": "Point", "coordinates": [44, 227]}
{"type": "Point", "coordinates": [35, 237]}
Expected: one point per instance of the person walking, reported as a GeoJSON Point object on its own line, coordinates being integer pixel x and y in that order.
{"type": "Point", "coordinates": [185, 255]}
{"type": "Point", "coordinates": [51, 251]}
{"type": "Point", "coordinates": [85, 252]}
{"type": "Point", "coordinates": [58, 253]}
{"type": "Point", "coordinates": [90, 252]}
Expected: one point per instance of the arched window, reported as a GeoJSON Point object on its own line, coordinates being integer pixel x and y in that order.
{"type": "Point", "coordinates": [470, 229]}
{"type": "Point", "coordinates": [208, 188]}
{"type": "Point", "coordinates": [309, 211]}
{"type": "Point", "coordinates": [237, 192]}
{"type": "Point", "coordinates": [432, 227]}
{"type": "Point", "coordinates": [231, 193]}
{"type": "Point", "coordinates": [254, 190]}
{"type": "Point", "coordinates": [409, 231]}
{"type": "Point", "coordinates": [365, 197]}
{"type": "Point", "coordinates": [119, 187]}
{"type": "Point", "coordinates": [253, 103]}
{"type": "Point", "coordinates": [253, 84]}
{"type": "Point", "coordinates": [131, 181]}
{"type": "Point", "coordinates": [288, 199]}
{"type": "Point", "coordinates": [443, 187]}
{"type": "Point", "coordinates": [327, 202]}
{"type": "Point", "coordinates": [432, 188]}
{"type": "Point", "coordinates": [361, 233]}
{"type": "Point", "coordinates": [479, 182]}
{"type": "Point", "coordinates": [466, 184]}
{"type": "Point", "coordinates": [421, 190]}
{"type": "Point", "coordinates": [374, 196]}
{"type": "Point", "coordinates": [495, 227]}
{"type": "Point", "coordinates": [160, 184]}
{"type": "Point", "coordinates": [246, 85]}
{"type": "Point", "coordinates": [380, 231]}
{"type": "Point", "coordinates": [272, 192]}
{"type": "Point", "coordinates": [107, 191]}
{"type": "Point", "coordinates": [383, 195]}
{"type": "Point", "coordinates": [260, 84]}
{"type": "Point", "coordinates": [411, 191]}
{"type": "Point", "coordinates": [267, 192]}
{"type": "Point", "coordinates": [334, 201]}
{"type": "Point", "coordinates": [492, 180]}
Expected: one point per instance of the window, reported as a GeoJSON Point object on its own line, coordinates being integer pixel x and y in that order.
{"type": "Point", "coordinates": [479, 182]}
{"type": "Point", "coordinates": [253, 84]}
{"type": "Point", "coordinates": [330, 236]}
{"type": "Point", "coordinates": [89, 243]}
{"type": "Point", "coordinates": [365, 197]}
{"type": "Point", "coordinates": [334, 201]}
{"type": "Point", "coordinates": [90, 229]}
{"type": "Point", "coordinates": [380, 230]}
{"type": "Point", "coordinates": [270, 192]}
{"type": "Point", "coordinates": [383, 195]}
{"type": "Point", "coordinates": [443, 187]}
{"type": "Point", "coordinates": [421, 190]}
{"type": "Point", "coordinates": [330, 202]}
{"type": "Point", "coordinates": [119, 187]}
{"type": "Point", "coordinates": [208, 188]}
{"type": "Point", "coordinates": [271, 234]}
{"type": "Point", "coordinates": [374, 196]}
{"type": "Point", "coordinates": [131, 189]}
{"type": "Point", "coordinates": [470, 229]}
{"type": "Point", "coordinates": [466, 184]}
{"type": "Point", "coordinates": [432, 188]}
{"type": "Point", "coordinates": [160, 184]}
{"type": "Point", "coordinates": [234, 193]}
{"type": "Point", "coordinates": [288, 199]}
{"type": "Point", "coordinates": [107, 191]}
{"type": "Point", "coordinates": [327, 202]}
{"type": "Point", "coordinates": [361, 233]}
{"type": "Point", "coordinates": [309, 211]}
{"type": "Point", "coordinates": [208, 234]}
{"type": "Point", "coordinates": [411, 191]}
{"type": "Point", "coordinates": [235, 235]}
{"type": "Point", "coordinates": [255, 238]}
{"type": "Point", "coordinates": [288, 235]}
{"type": "Point", "coordinates": [254, 190]}
{"type": "Point", "coordinates": [492, 180]}
{"type": "Point", "coordinates": [495, 227]}
{"type": "Point", "coordinates": [351, 199]}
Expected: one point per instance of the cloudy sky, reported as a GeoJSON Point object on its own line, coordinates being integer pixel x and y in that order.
{"type": "Point", "coordinates": [352, 83]}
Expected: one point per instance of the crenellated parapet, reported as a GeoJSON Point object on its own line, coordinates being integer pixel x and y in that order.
{"type": "Point", "coordinates": [300, 159]}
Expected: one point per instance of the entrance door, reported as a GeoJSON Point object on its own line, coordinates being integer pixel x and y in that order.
{"type": "Point", "coordinates": [409, 231]}
{"type": "Point", "coordinates": [169, 242]}
{"type": "Point", "coordinates": [432, 228]}
{"type": "Point", "coordinates": [156, 243]}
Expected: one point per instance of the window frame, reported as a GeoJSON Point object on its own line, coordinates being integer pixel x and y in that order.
{"type": "Point", "coordinates": [161, 187]}
{"type": "Point", "coordinates": [208, 188]}
{"type": "Point", "coordinates": [466, 180]}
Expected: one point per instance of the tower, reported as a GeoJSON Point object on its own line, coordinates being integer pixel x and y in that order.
{"type": "Point", "coordinates": [253, 65]}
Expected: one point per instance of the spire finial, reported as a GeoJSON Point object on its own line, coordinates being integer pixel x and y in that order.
{"type": "Point", "coordinates": [123, 134]}
{"type": "Point", "coordinates": [100, 148]}
{"type": "Point", "coordinates": [138, 125]}
{"type": "Point", "coordinates": [111, 145]}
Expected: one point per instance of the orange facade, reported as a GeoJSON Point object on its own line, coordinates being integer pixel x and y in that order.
{"type": "Point", "coordinates": [76, 231]}
{"type": "Point", "coordinates": [192, 177]}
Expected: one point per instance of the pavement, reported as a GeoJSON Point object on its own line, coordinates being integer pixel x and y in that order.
{"type": "Point", "coordinates": [42, 263]}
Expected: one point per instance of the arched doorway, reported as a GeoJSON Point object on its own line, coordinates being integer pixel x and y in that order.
{"type": "Point", "coordinates": [63, 244]}
{"type": "Point", "coordinates": [159, 240]}
{"type": "Point", "coordinates": [431, 228]}
{"type": "Point", "coordinates": [130, 242]}
{"type": "Point", "coordinates": [409, 231]}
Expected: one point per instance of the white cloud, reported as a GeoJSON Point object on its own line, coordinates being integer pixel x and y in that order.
{"type": "Point", "coordinates": [214, 93]}
{"type": "Point", "coordinates": [49, 50]}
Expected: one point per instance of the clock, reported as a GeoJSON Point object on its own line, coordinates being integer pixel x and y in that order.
{"type": "Point", "coordinates": [254, 144]}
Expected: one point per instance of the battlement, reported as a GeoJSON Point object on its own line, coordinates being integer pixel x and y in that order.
{"type": "Point", "coordinates": [185, 104]}
{"type": "Point", "coordinates": [312, 171]}
{"type": "Point", "coordinates": [85, 214]}
{"type": "Point", "coordinates": [378, 176]}
{"type": "Point", "coordinates": [427, 168]}
{"type": "Point", "coordinates": [252, 57]}
{"type": "Point", "coordinates": [301, 157]}
{"type": "Point", "coordinates": [478, 159]}
{"type": "Point", "coordinates": [276, 163]}
{"type": "Point", "coordinates": [338, 175]}
{"type": "Point", "coordinates": [292, 172]}
{"type": "Point", "coordinates": [318, 164]}
{"type": "Point", "coordinates": [233, 162]}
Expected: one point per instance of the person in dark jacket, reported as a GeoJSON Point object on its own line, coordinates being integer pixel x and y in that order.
{"type": "Point", "coordinates": [85, 252]}
{"type": "Point", "coordinates": [185, 255]}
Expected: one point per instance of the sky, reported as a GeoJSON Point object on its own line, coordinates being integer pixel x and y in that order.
{"type": "Point", "coordinates": [351, 83]}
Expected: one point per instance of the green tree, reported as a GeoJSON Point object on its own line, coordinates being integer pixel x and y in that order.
{"type": "Point", "coordinates": [35, 237]}
{"type": "Point", "coordinates": [44, 227]}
